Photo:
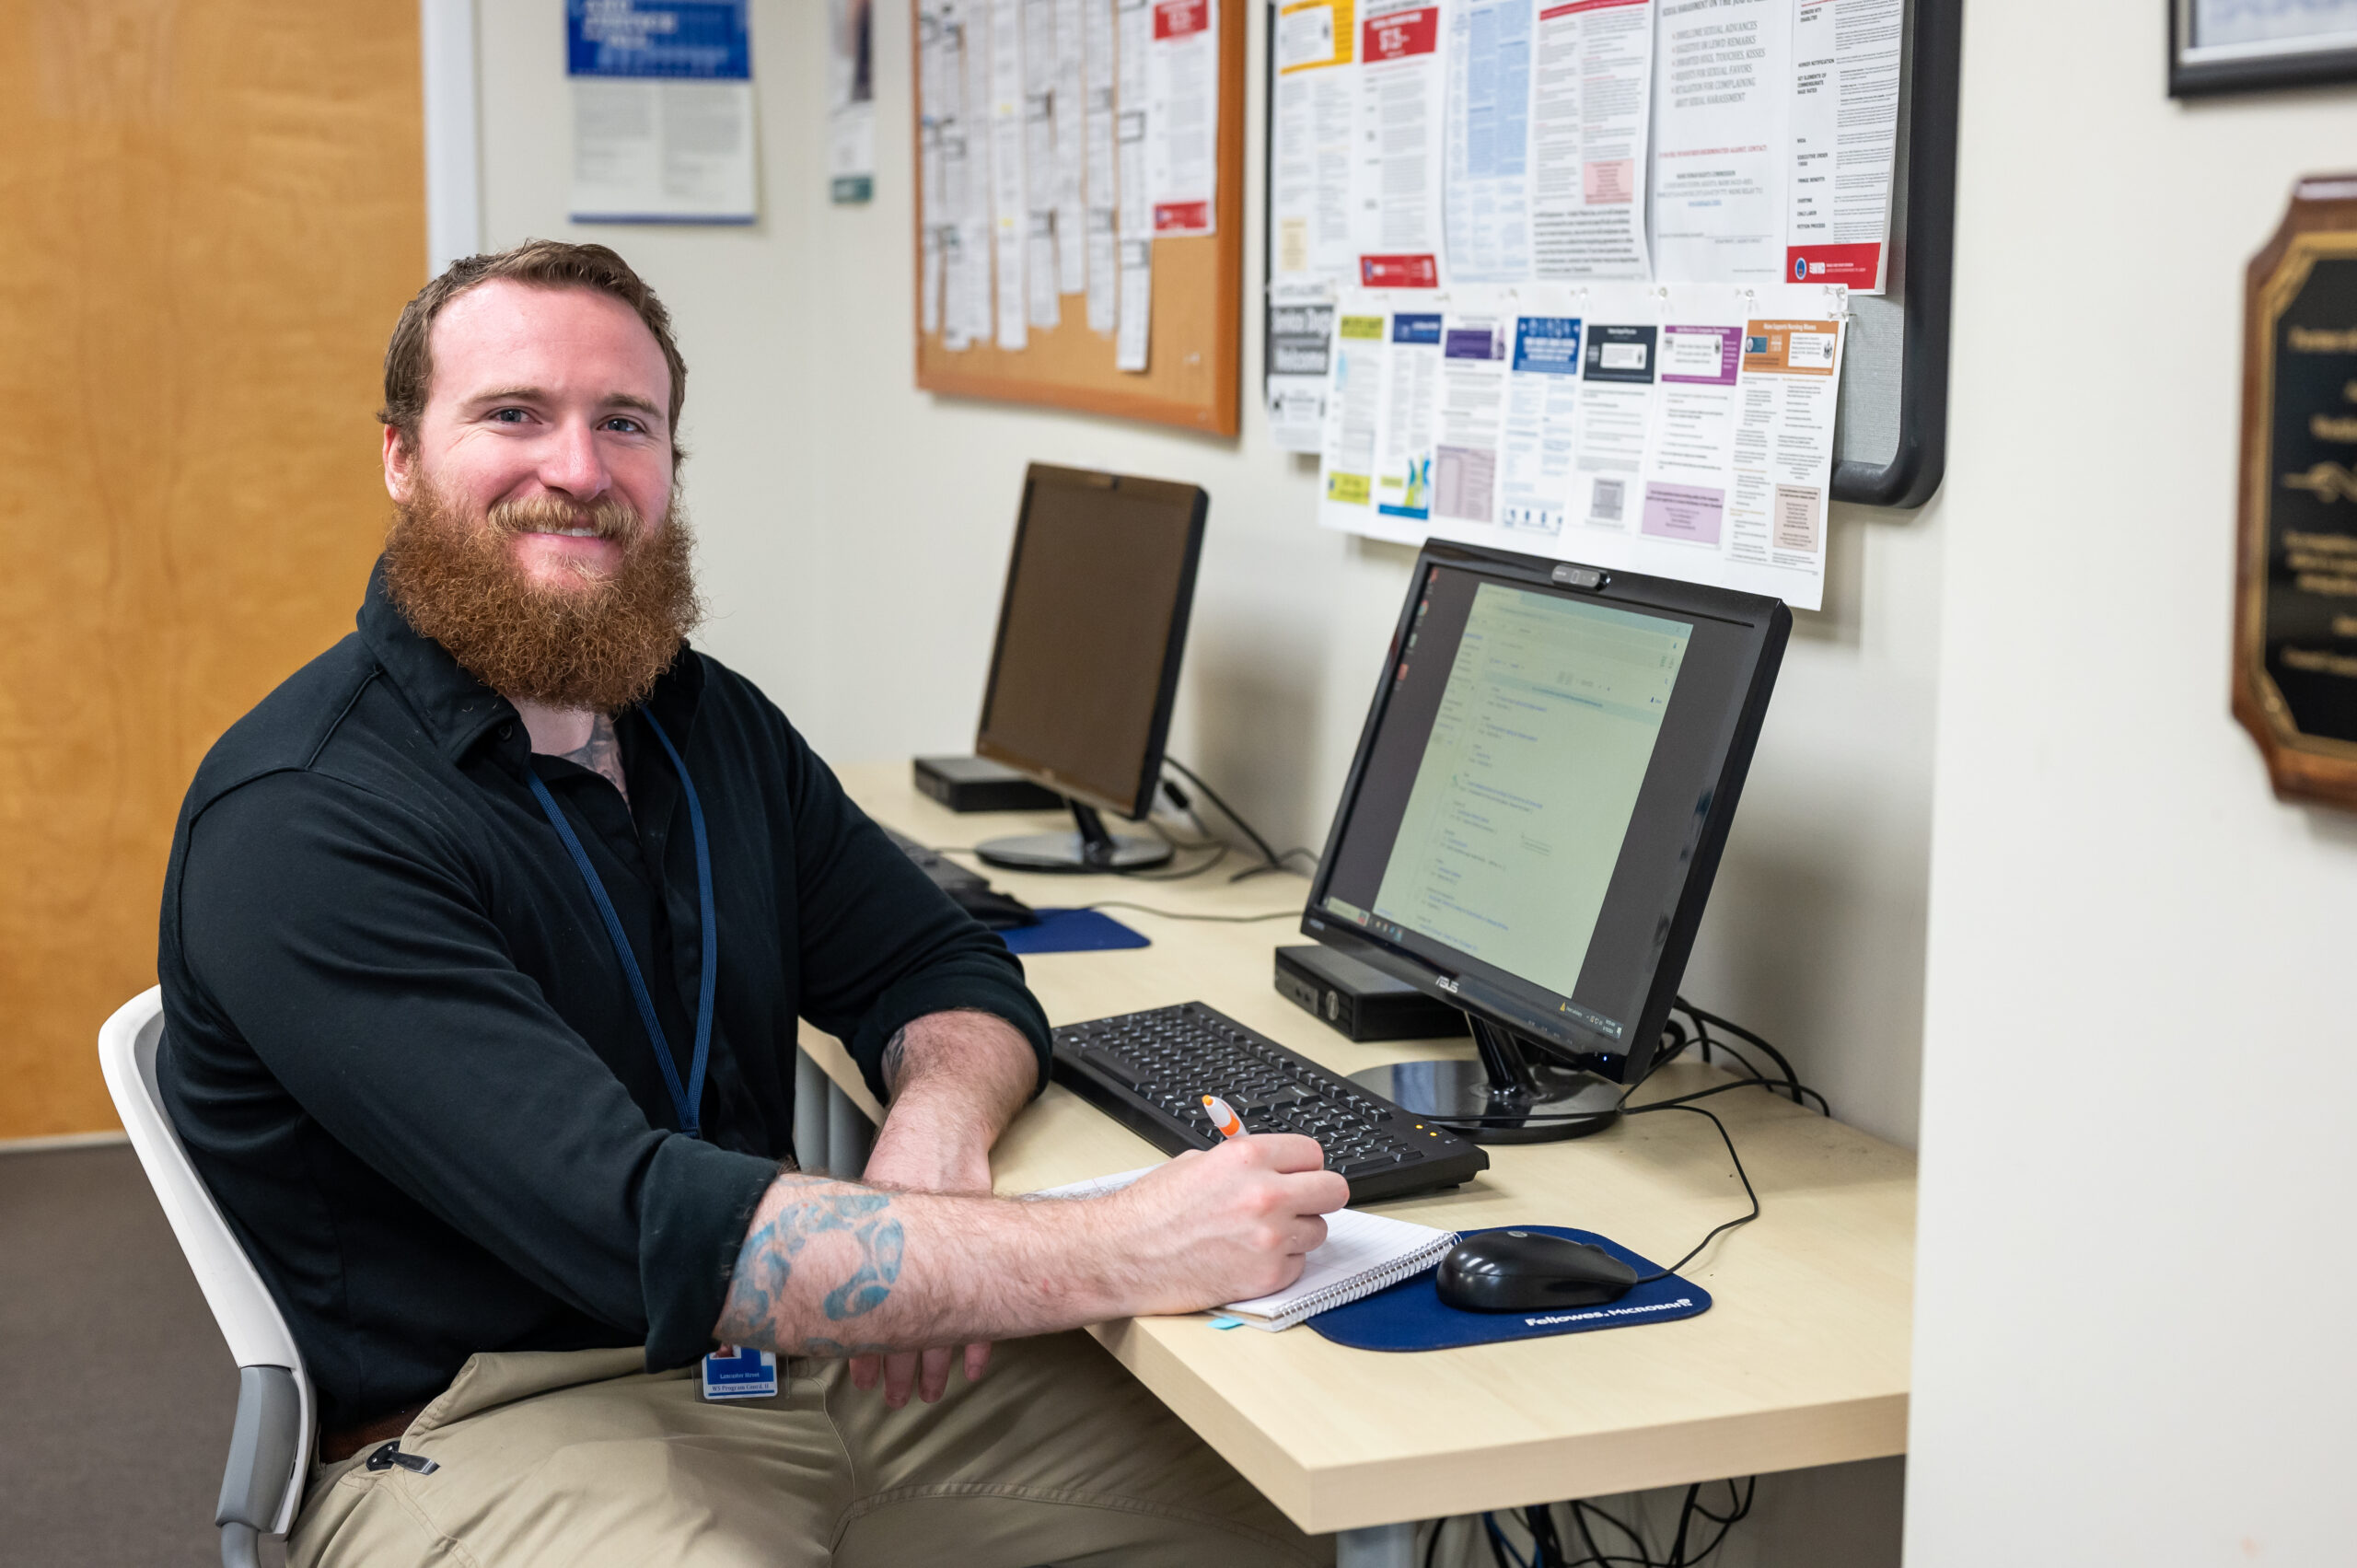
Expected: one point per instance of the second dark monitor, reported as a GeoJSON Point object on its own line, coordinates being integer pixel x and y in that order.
{"type": "Point", "coordinates": [1084, 667]}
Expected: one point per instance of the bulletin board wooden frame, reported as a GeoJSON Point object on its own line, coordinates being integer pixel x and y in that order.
{"type": "Point", "coordinates": [1193, 373]}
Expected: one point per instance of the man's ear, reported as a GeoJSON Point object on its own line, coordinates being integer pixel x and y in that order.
{"type": "Point", "coordinates": [400, 466]}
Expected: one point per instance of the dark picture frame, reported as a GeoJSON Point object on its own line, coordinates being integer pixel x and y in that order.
{"type": "Point", "coordinates": [2204, 71]}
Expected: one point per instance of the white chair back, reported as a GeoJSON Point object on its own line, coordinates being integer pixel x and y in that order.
{"type": "Point", "coordinates": [250, 1319]}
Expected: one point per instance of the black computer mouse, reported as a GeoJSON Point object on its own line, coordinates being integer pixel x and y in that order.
{"type": "Point", "coordinates": [996, 910]}
{"type": "Point", "coordinates": [1522, 1270]}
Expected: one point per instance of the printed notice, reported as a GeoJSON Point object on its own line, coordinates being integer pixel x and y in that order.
{"type": "Point", "coordinates": [1097, 73]}
{"type": "Point", "coordinates": [662, 111]}
{"type": "Point", "coordinates": [1300, 342]}
{"type": "Point", "coordinates": [1396, 177]}
{"type": "Point", "coordinates": [1072, 151]}
{"type": "Point", "coordinates": [1590, 102]}
{"type": "Point", "coordinates": [1132, 224]}
{"type": "Point", "coordinates": [1182, 139]}
{"type": "Point", "coordinates": [1542, 409]}
{"type": "Point", "coordinates": [969, 294]}
{"type": "Point", "coordinates": [1783, 457]}
{"type": "Point", "coordinates": [1353, 414]}
{"type": "Point", "coordinates": [1844, 129]}
{"type": "Point", "coordinates": [1469, 426]}
{"type": "Point", "coordinates": [1309, 155]}
{"type": "Point", "coordinates": [1403, 475]}
{"type": "Point", "coordinates": [850, 101]}
{"type": "Point", "coordinates": [1042, 306]}
{"type": "Point", "coordinates": [1690, 448]}
{"type": "Point", "coordinates": [1487, 202]}
{"type": "Point", "coordinates": [1615, 411]}
{"type": "Point", "coordinates": [1010, 203]}
{"type": "Point", "coordinates": [1722, 85]}
{"type": "Point", "coordinates": [933, 194]}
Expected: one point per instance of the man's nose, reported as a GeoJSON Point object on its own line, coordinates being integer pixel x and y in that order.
{"type": "Point", "coordinates": [570, 461]}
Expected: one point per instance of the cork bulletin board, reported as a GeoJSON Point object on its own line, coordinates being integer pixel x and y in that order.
{"type": "Point", "coordinates": [1193, 375]}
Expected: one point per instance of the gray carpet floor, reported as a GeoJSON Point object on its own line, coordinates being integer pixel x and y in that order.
{"type": "Point", "coordinates": [116, 1390]}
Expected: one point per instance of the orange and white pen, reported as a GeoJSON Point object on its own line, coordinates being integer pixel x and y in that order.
{"type": "Point", "coordinates": [1230, 1125]}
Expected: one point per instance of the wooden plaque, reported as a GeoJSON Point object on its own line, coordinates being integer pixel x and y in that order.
{"type": "Point", "coordinates": [2296, 604]}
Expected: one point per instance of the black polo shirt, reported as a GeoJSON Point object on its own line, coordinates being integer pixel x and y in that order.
{"type": "Point", "coordinates": [401, 1051]}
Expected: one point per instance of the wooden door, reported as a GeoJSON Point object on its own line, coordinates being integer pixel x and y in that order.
{"type": "Point", "coordinates": [209, 213]}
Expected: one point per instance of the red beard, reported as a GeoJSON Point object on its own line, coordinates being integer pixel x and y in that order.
{"type": "Point", "coordinates": [598, 646]}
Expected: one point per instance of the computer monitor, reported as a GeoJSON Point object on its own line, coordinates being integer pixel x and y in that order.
{"type": "Point", "coordinates": [1533, 820]}
{"type": "Point", "coordinates": [1085, 663]}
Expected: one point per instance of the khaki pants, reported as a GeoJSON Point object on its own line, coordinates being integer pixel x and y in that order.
{"type": "Point", "coordinates": [1057, 1456]}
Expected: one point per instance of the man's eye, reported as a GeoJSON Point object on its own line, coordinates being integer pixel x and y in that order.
{"type": "Point", "coordinates": [626, 424]}
{"type": "Point", "coordinates": [509, 415]}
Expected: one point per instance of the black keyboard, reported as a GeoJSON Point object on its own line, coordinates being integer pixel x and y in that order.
{"type": "Point", "coordinates": [1150, 1071]}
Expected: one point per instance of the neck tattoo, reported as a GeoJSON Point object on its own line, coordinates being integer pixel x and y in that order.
{"type": "Point", "coordinates": [601, 754]}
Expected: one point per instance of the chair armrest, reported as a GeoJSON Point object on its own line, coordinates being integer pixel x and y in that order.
{"type": "Point", "coordinates": [262, 1461]}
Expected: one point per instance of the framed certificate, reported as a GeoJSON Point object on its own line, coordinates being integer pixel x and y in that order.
{"type": "Point", "coordinates": [2228, 46]}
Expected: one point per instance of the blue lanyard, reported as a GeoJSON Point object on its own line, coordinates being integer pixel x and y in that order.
{"type": "Point", "coordinates": [686, 1098]}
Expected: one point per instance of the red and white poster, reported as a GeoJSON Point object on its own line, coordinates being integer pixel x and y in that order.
{"type": "Point", "coordinates": [1395, 206]}
{"type": "Point", "coordinates": [1182, 118]}
{"type": "Point", "coordinates": [1844, 128]}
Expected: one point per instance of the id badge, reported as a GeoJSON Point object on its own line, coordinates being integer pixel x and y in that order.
{"type": "Point", "coordinates": [736, 1372]}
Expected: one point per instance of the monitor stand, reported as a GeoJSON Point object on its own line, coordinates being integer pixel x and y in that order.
{"type": "Point", "coordinates": [1500, 1089]}
{"type": "Point", "coordinates": [1089, 849]}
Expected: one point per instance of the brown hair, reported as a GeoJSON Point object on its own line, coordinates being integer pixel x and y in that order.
{"type": "Point", "coordinates": [541, 263]}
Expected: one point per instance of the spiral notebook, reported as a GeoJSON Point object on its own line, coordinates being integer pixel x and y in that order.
{"type": "Point", "coordinates": [1361, 1254]}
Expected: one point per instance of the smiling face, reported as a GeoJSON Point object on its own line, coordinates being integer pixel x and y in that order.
{"type": "Point", "coordinates": [544, 402]}
{"type": "Point", "coordinates": [536, 536]}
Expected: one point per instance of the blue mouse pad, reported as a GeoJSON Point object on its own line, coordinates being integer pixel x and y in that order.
{"type": "Point", "coordinates": [1409, 1316]}
{"type": "Point", "coordinates": [1072, 931]}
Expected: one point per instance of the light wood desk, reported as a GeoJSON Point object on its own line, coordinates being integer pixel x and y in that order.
{"type": "Point", "coordinates": [1801, 1360]}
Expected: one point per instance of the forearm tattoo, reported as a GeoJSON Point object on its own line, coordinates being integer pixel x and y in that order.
{"type": "Point", "coordinates": [757, 1298]}
{"type": "Point", "coordinates": [601, 754]}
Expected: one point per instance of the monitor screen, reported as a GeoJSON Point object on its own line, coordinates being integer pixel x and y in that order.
{"type": "Point", "coordinates": [1090, 632]}
{"type": "Point", "coordinates": [1545, 770]}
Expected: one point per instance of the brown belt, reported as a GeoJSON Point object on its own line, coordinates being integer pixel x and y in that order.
{"type": "Point", "coordinates": [348, 1440]}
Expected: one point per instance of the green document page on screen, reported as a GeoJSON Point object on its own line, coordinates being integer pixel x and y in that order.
{"type": "Point", "coordinates": [1526, 786]}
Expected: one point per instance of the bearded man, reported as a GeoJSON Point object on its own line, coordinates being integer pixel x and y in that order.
{"type": "Point", "coordinates": [484, 939]}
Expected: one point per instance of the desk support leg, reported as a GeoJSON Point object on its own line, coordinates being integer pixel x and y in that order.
{"type": "Point", "coordinates": [1379, 1546]}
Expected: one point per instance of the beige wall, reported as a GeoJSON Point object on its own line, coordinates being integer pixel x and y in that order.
{"type": "Point", "coordinates": [2131, 1335]}
{"type": "Point", "coordinates": [213, 213]}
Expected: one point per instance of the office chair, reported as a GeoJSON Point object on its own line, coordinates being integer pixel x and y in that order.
{"type": "Point", "coordinates": [270, 1447]}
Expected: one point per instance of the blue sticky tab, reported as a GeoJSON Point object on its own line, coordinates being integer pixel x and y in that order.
{"type": "Point", "coordinates": [735, 1372]}
{"type": "Point", "coordinates": [1227, 1322]}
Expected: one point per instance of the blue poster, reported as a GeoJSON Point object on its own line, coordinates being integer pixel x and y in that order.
{"type": "Point", "coordinates": [699, 40]}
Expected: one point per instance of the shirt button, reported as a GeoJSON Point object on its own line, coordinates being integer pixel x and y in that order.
{"type": "Point", "coordinates": [507, 732]}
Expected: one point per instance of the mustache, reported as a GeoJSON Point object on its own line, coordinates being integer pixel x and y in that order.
{"type": "Point", "coordinates": [606, 517]}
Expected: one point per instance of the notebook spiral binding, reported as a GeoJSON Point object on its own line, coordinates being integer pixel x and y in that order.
{"type": "Point", "coordinates": [1343, 1292]}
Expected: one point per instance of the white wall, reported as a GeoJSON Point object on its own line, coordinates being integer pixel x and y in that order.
{"type": "Point", "coordinates": [2131, 1327]}
{"type": "Point", "coordinates": [854, 532]}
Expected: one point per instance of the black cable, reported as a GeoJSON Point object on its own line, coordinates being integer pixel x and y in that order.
{"type": "Point", "coordinates": [1433, 1543]}
{"type": "Point", "coordinates": [1174, 914]}
{"type": "Point", "coordinates": [1500, 1547]}
{"type": "Point", "coordinates": [1540, 1520]}
{"type": "Point", "coordinates": [1219, 853]}
{"type": "Point", "coordinates": [1685, 1522]}
{"type": "Point", "coordinates": [1740, 1172]}
{"type": "Point", "coordinates": [1278, 864]}
{"type": "Point", "coordinates": [1227, 810]}
{"type": "Point", "coordinates": [1645, 1556]}
{"type": "Point", "coordinates": [1792, 1079]}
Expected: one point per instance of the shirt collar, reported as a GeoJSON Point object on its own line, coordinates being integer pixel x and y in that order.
{"type": "Point", "coordinates": [458, 711]}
